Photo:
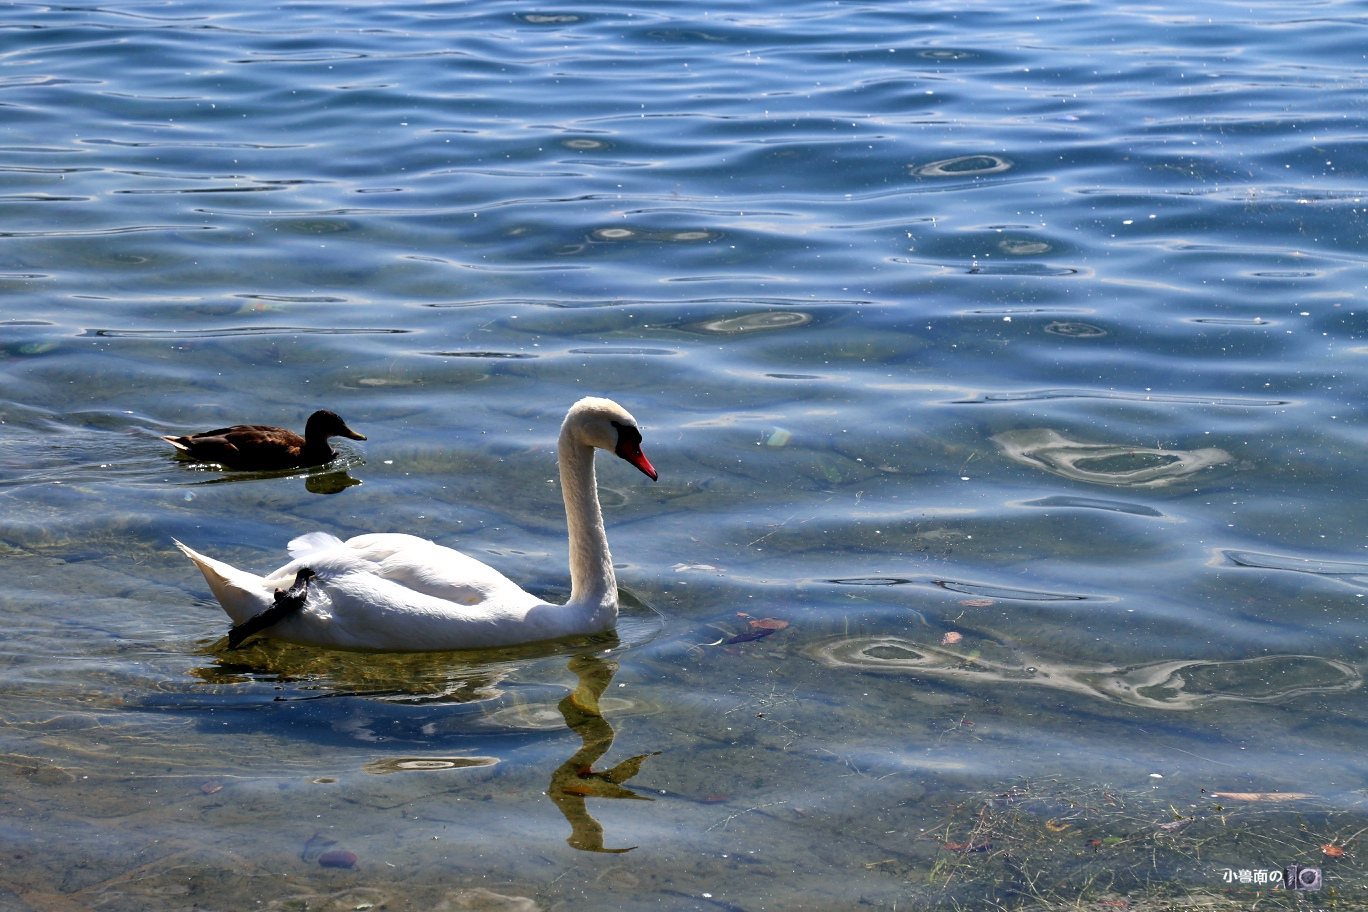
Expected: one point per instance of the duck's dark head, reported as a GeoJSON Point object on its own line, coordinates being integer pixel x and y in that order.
{"type": "Point", "coordinates": [324, 424]}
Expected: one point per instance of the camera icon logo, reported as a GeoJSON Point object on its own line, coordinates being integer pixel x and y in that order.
{"type": "Point", "coordinates": [1301, 877]}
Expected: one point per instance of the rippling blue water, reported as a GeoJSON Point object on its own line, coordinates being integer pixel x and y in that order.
{"type": "Point", "coordinates": [1012, 355]}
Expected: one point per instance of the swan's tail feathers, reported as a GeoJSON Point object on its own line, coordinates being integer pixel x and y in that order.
{"type": "Point", "coordinates": [287, 602]}
{"type": "Point", "coordinates": [312, 543]}
{"type": "Point", "coordinates": [241, 594]}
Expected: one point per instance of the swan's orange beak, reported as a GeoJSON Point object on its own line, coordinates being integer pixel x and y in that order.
{"type": "Point", "coordinates": [638, 459]}
{"type": "Point", "coordinates": [629, 448]}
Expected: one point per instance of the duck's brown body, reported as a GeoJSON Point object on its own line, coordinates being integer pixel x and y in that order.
{"type": "Point", "coordinates": [261, 447]}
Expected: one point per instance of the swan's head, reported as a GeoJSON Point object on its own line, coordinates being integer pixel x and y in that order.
{"type": "Point", "coordinates": [604, 424]}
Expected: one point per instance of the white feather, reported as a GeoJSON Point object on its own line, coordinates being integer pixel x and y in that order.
{"type": "Point", "coordinates": [312, 541]}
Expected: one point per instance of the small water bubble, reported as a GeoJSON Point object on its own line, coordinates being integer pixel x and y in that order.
{"type": "Point", "coordinates": [548, 18]}
{"type": "Point", "coordinates": [1075, 330]}
{"type": "Point", "coordinates": [946, 54]}
{"type": "Point", "coordinates": [774, 319]}
{"type": "Point", "coordinates": [963, 166]}
{"type": "Point", "coordinates": [1018, 247]}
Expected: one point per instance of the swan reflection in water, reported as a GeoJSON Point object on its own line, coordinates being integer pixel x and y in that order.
{"type": "Point", "coordinates": [575, 779]}
{"type": "Point", "coordinates": [430, 679]}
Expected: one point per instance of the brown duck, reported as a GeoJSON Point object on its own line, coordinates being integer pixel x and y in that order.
{"type": "Point", "coordinates": [260, 447]}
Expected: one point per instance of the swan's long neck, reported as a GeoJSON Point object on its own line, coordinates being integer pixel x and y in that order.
{"type": "Point", "coordinates": [592, 581]}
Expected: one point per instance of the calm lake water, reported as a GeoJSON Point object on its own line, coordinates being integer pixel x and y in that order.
{"type": "Point", "coordinates": [1014, 356]}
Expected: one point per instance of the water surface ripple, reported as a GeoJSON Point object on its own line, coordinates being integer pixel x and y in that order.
{"type": "Point", "coordinates": [976, 347]}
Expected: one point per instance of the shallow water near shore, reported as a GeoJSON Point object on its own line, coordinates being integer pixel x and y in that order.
{"type": "Point", "coordinates": [1002, 366]}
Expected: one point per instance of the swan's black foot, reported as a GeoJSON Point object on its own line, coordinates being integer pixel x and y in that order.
{"type": "Point", "coordinates": [287, 602]}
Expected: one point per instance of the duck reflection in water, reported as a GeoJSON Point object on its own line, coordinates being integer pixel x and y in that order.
{"type": "Point", "coordinates": [319, 480]}
{"type": "Point", "coordinates": [334, 482]}
{"type": "Point", "coordinates": [575, 779]}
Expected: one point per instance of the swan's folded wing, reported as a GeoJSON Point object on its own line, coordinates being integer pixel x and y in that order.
{"type": "Point", "coordinates": [358, 609]}
{"type": "Point", "coordinates": [312, 542]}
{"type": "Point", "coordinates": [433, 569]}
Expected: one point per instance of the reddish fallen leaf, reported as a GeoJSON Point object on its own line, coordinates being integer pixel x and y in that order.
{"type": "Point", "coordinates": [337, 858]}
{"type": "Point", "coordinates": [968, 847]}
{"type": "Point", "coordinates": [315, 846]}
{"type": "Point", "coordinates": [951, 638]}
{"type": "Point", "coordinates": [768, 624]}
{"type": "Point", "coordinates": [976, 603]}
{"type": "Point", "coordinates": [1333, 851]}
{"type": "Point", "coordinates": [752, 635]}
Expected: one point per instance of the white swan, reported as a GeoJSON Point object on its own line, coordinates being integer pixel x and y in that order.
{"type": "Point", "coordinates": [401, 592]}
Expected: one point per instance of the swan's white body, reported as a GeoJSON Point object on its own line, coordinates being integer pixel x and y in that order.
{"type": "Point", "coordinates": [400, 592]}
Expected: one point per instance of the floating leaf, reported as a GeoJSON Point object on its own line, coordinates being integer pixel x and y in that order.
{"type": "Point", "coordinates": [768, 623]}
{"type": "Point", "coordinates": [210, 787]}
{"type": "Point", "coordinates": [1054, 826]}
{"type": "Point", "coordinates": [1262, 796]}
{"type": "Point", "coordinates": [1333, 851]}
{"type": "Point", "coordinates": [951, 638]}
{"type": "Point", "coordinates": [779, 437]}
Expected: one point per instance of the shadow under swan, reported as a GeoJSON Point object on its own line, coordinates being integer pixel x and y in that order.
{"type": "Point", "coordinates": [459, 677]}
